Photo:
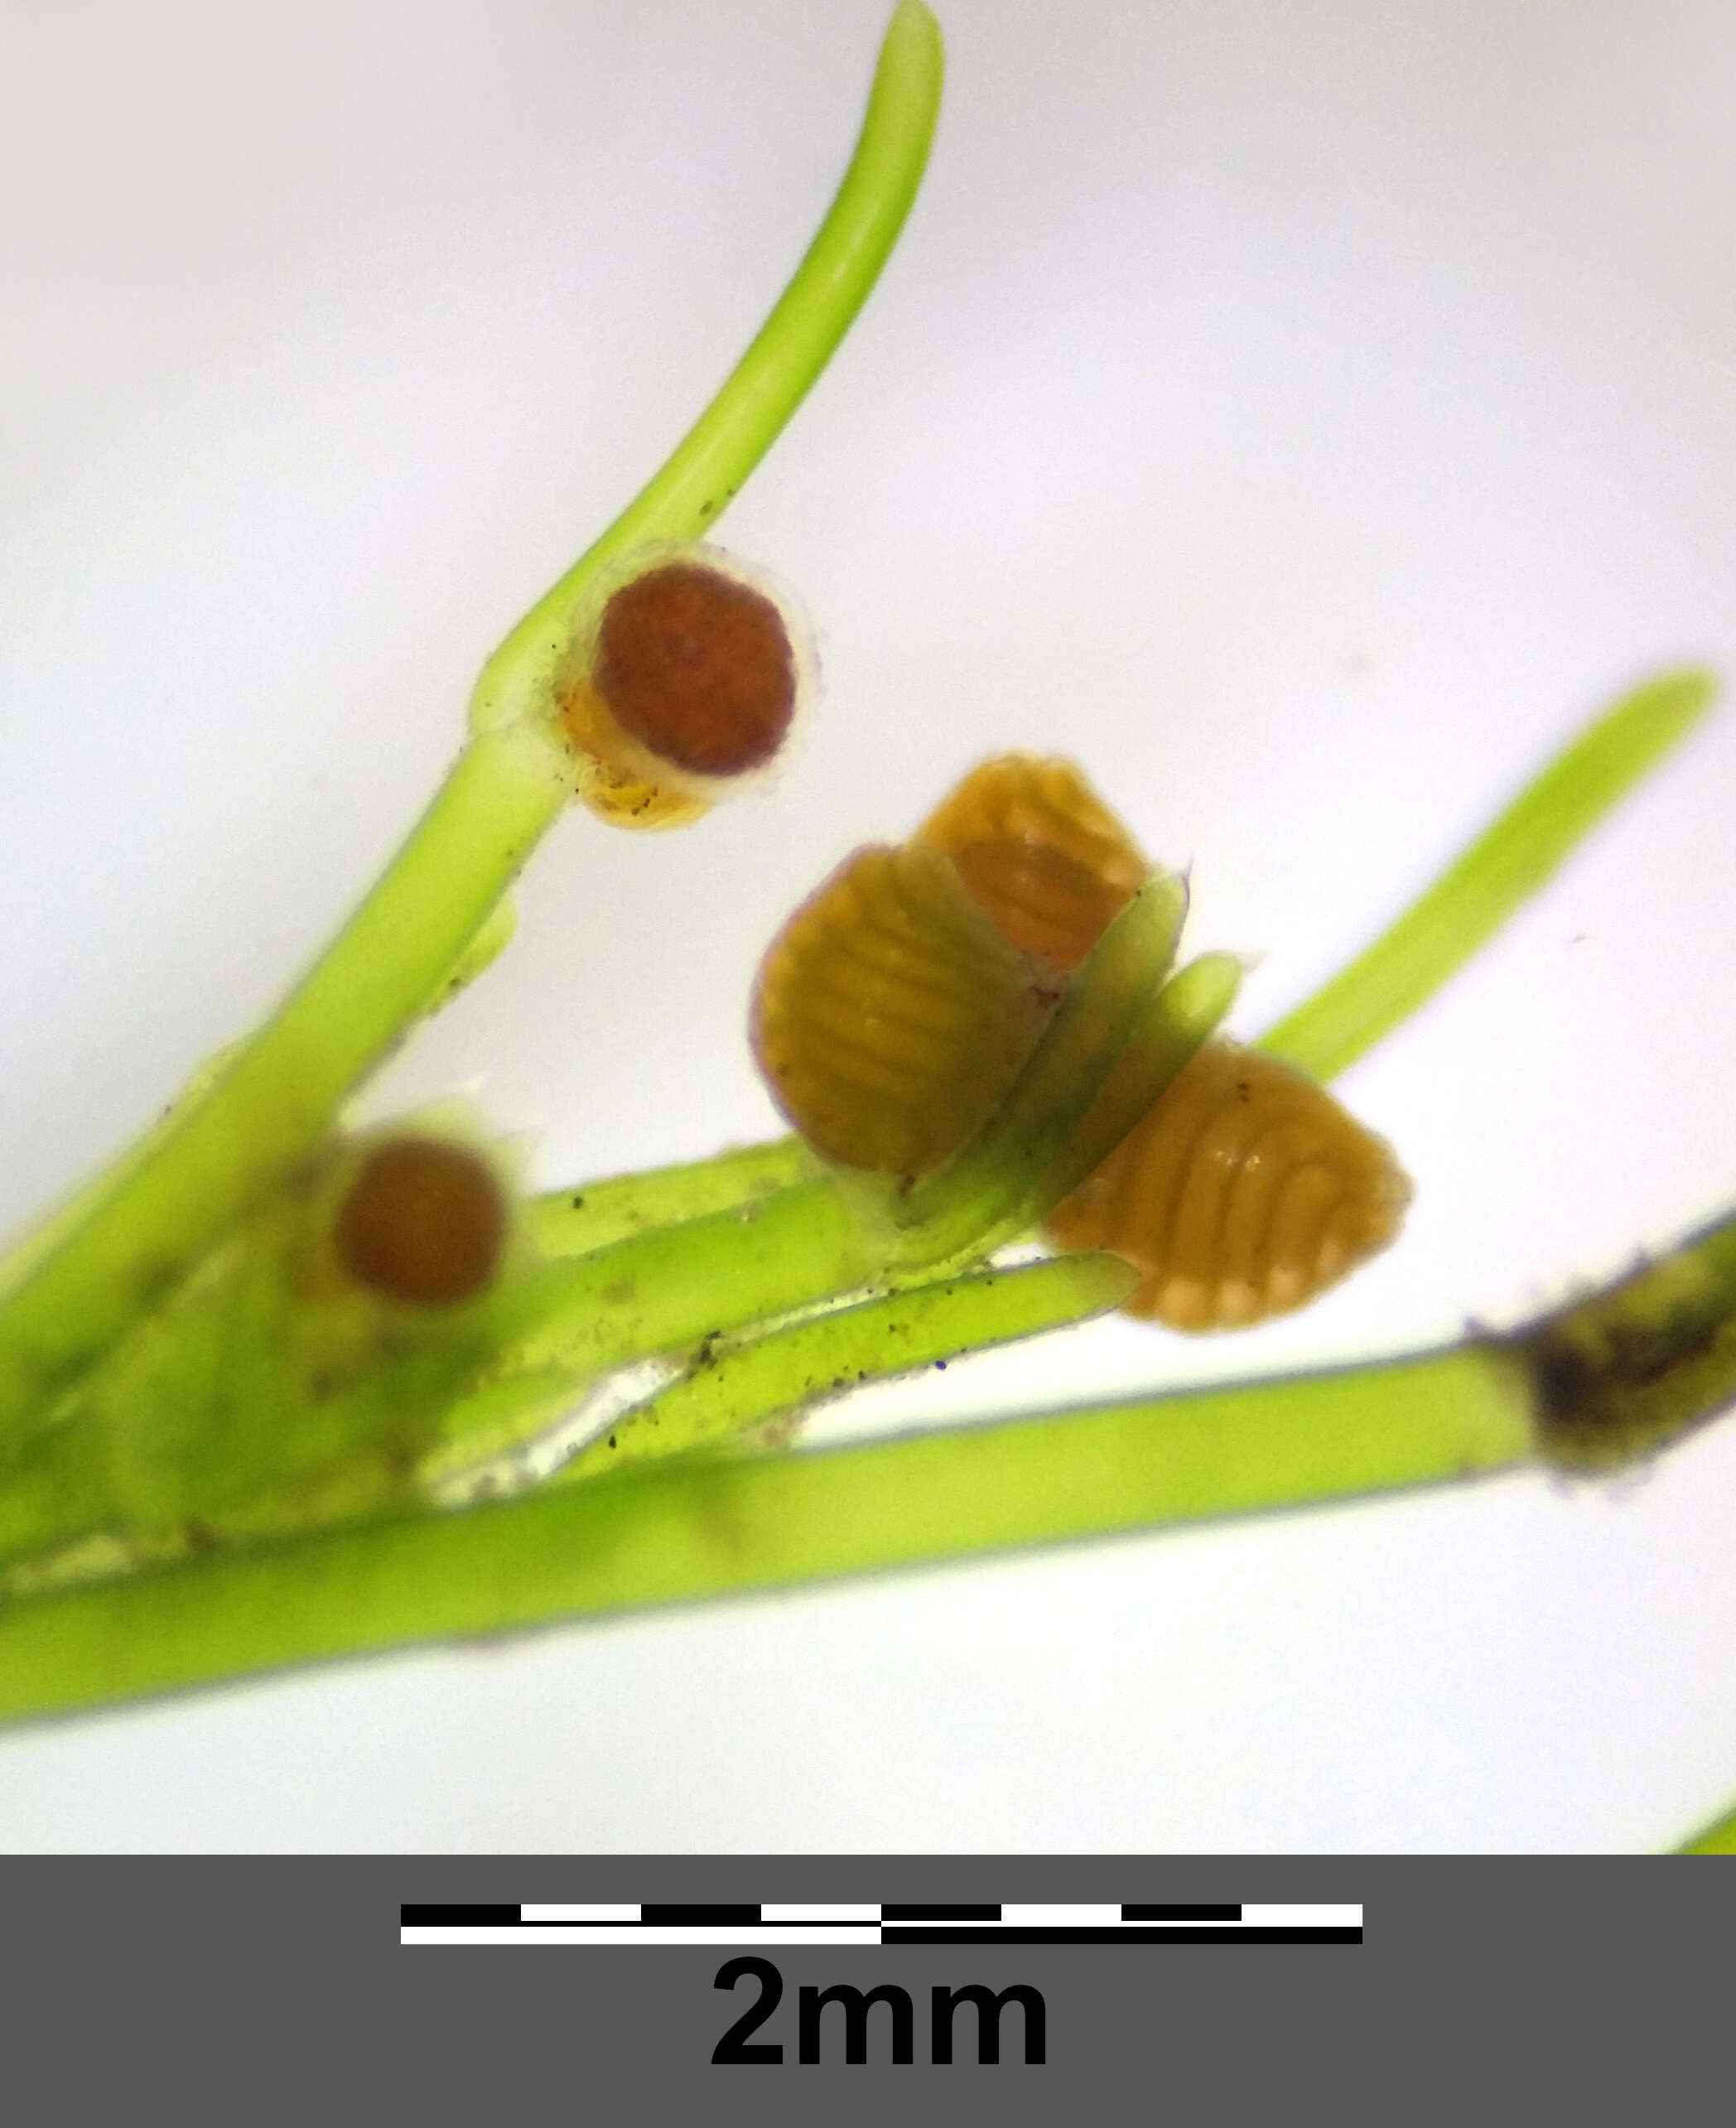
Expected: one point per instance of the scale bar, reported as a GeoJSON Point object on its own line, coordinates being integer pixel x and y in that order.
{"type": "Point", "coordinates": [743, 1924]}
{"type": "Point", "coordinates": [1180, 1933]}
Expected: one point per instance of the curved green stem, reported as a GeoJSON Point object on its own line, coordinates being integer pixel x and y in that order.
{"type": "Point", "coordinates": [275, 1100]}
{"type": "Point", "coordinates": [1506, 864]}
{"type": "Point", "coordinates": [772, 378]}
{"type": "Point", "coordinates": [278, 1095]}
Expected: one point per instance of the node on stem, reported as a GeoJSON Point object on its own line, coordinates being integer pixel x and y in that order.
{"type": "Point", "coordinates": [1615, 1377]}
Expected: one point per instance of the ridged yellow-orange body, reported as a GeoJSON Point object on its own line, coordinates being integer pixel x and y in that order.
{"type": "Point", "coordinates": [890, 1015]}
{"type": "Point", "coordinates": [1041, 853]}
{"type": "Point", "coordinates": [1245, 1190]}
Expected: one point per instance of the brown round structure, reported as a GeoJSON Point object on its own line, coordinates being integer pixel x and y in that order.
{"type": "Point", "coordinates": [423, 1222]}
{"type": "Point", "coordinates": [697, 668]}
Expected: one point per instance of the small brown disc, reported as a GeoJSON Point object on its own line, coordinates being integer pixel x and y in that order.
{"type": "Point", "coordinates": [423, 1222]}
{"type": "Point", "coordinates": [697, 668]}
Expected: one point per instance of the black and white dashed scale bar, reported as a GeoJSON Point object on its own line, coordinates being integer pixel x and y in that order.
{"type": "Point", "coordinates": [749, 1926]}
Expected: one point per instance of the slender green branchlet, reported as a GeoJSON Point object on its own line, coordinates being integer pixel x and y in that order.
{"type": "Point", "coordinates": [701, 476]}
{"type": "Point", "coordinates": [692, 1527]}
{"type": "Point", "coordinates": [1515, 855]}
{"type": "Point", "coordinates": [733, 1384]}
{"type": "Point", "coordinates": [1718, 1838]}
{"type": "Point", "coordinates": [570, 1221]}
{"type": "Point", "coordinates": [278, 1095]}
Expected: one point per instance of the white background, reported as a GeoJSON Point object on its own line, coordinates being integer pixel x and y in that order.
{"type": "Point", "coordinates": [1304, 415]}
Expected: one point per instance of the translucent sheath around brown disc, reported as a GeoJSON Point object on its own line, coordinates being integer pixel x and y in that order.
{"type": "Point", "coordinates": [683, 681]}
{"type": "Point", "coordinates": [697, 666]}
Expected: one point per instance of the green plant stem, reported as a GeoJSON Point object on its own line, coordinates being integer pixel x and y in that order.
{"type": "Point", "coordinates": [741, 1383]}
{"type": "Point", "coordinates": [696, 1527]}
{"type": "Point", "coordinates": [773, 376]}
{"type": "Point", "coordinates": [277, 1097]}
{"type": "Point", "coordinates": [571, 1222]}
{"type": "Point", "coordinates": [1506, 864]}
{"type": "Point", "coordinates": [1719, 1838]}
{"type": "Point", "coordinates": [660, 1291]}
{"type": "Point", "coordinates": [699, 1527]}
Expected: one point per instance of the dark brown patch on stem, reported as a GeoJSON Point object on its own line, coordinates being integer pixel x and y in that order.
{"type": "Point", "coordinates": [1617, 1376]}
